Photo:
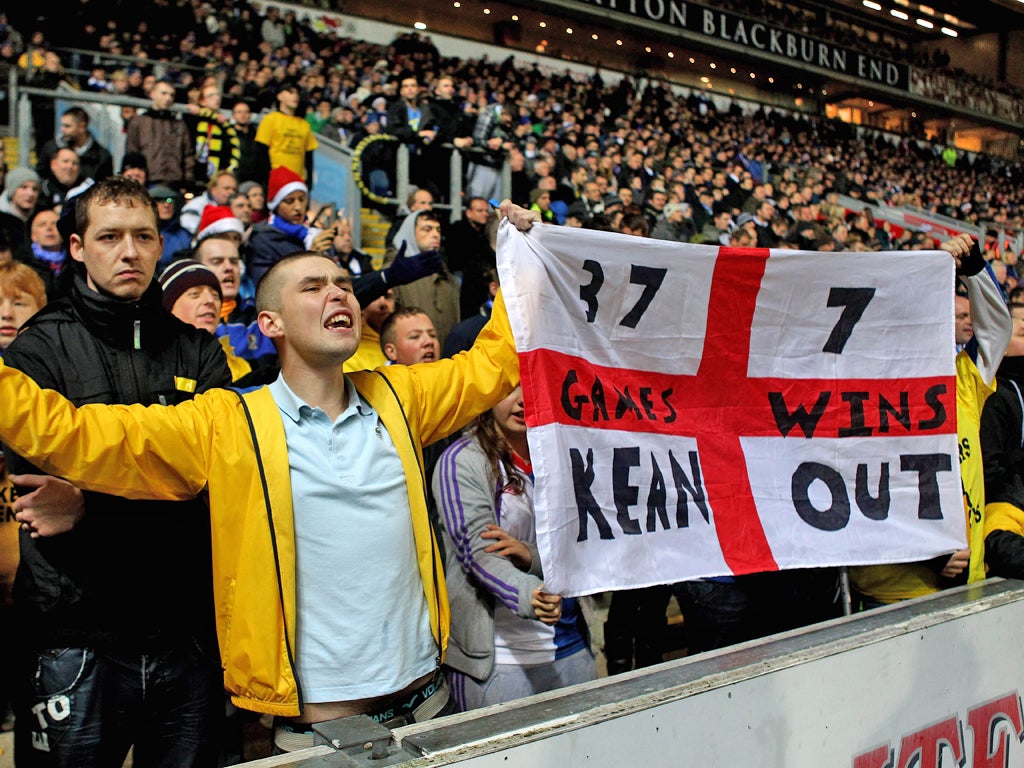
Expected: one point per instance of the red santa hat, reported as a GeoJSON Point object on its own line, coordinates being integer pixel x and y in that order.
{"type": "Point", "coordinates": [283, 181]}
{"type": "Point", "coordinates": [216, 220]}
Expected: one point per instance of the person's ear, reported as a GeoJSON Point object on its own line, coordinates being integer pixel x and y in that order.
{"type": "Point", "coordinates": [270, 324]}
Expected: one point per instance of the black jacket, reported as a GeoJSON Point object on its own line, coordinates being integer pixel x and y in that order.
{"type": "Point", "coordinates": [1002, 450]}
{"type": "Point", "coordinates": [268, 245]}
{"type": "Point", "coordinates": [132, 575]}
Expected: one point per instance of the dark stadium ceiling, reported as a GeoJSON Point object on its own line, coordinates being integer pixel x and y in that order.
{"type": "Point", "coordinates": [968, 18]}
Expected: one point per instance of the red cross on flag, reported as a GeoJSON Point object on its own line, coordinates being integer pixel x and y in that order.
{"type": "Point", "coordinates": [702, 411]}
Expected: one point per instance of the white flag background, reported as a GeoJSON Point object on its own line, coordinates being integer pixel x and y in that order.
{"type": "Point", "coordinates": [699, 411]}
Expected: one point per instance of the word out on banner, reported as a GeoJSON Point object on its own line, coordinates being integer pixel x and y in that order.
{"type": "Point", "coordinates": [699, 411]}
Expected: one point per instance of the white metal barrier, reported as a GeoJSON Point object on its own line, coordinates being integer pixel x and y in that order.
{"type": "Point", "coordinates": [930, 683]}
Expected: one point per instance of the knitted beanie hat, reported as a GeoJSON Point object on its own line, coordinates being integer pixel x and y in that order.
{"type": "Point", "coordinates": [18, 176]}
{"type": "Point", "coordinates": [184, 274]}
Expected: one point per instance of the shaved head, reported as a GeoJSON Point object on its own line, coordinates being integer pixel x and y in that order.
{"type": "Point", "coordinates": [268, 292]}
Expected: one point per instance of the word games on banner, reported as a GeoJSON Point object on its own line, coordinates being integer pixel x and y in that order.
{"type": "Point", "coordinates": [701, 411]}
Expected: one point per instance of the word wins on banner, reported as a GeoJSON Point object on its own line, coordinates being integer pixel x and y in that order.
{"type": "Point", "coordinates": [702, 411]}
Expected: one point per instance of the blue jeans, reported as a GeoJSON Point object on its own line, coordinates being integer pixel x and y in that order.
{"type": "Point", "coordinates": [85, 708]}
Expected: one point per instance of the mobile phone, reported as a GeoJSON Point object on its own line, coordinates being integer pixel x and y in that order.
{"type": "Point", "coordinates": [326, 216]}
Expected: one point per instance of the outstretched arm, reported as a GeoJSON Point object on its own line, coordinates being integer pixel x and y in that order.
{"type": "Point", "coordinates": [132, 451]}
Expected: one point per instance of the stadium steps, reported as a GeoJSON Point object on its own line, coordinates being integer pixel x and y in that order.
{"type": "Point", "coordinates": [374, 229]}
{"type": "Point", "coordinates": [11, 151]}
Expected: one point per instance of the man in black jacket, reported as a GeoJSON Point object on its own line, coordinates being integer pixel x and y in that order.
{"type": "Point", "coordinates": [95, 160]}
{"type": "Point", "coordinates": [115, 615]}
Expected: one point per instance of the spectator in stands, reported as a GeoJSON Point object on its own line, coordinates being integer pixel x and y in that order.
{"type": "Point", "coordinates": [257, 195]}
{"type": "Point", "coordinates": [220, 221]}
{"type": "Point", "coordinates": [510, 638]}
{"type": "Point", "coordinates": [49, 76]}
{"type": "Point", "coordinates": [675, 223]}
{"type": "Point", "coordinates": [470, 254]}
{"type": "Point", "coordinates": [436, 293]}
{"type": "Point", "coordinates": [490, 144]}
{"type": "Point", "coordinates": [272, 29]}
{"type": "Point", "coordinates": [766, 236]}
{"type": "Point", "coordinates": [451, 129]}
{"type": "Point", "coordinates": [344, 252]}
{"type": "Point", "coordinates": [417, 200]}
{"type": "Point", "coordinates": [133, 166]}
{"type": "Point", "coordinates": [718, 228]}
{"type": "Point", "coordinates": [221, 256]}
{"type": "Point", "coordinates": [318, 116]}
{"type": "Point", "coordinates": [22, 294]}
{"type": "Point", "coordinates": [654, 205]}
{"type": "Point", "coordinates": [216, 143]}
{"type": "Point", "coordinates": [176, 239]}
{"type": "Point", "coordinates": [18, 201]}
{"type": "Point", "coordinates": [408, 336]}
{"type": "Point", "coordinates": [191, 292]}
{"type": "Point", "coordinates": [286, 231]}
{"type": "Point", "coordinates": [413, 123]}
{"type": "Point", "coordinates": [540, 202]}
{"type": "Point", "coordinates": [95, 160]}
{"type": "Point", "coordinates": [126, 614]}
{"type": "Point", "coordinates": [51, 255]}
{"type": "Point", "coordinates": [1002, 423]}
{"type": "Point", "coordinates": [241, 121]}
{"type": "Point", "coordinates": [284, 139]}
{"type": "Point", "coordinates": [65, 175]}
{"type": "Point", "coordinates": [163, 139]}
{"type": "Point", "coordinates": [241, 207]}
{"type": "Point", "coordinates": [221, 187]}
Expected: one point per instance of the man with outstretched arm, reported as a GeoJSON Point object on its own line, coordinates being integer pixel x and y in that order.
{"type": "Point", "coordinates": [304, 477]}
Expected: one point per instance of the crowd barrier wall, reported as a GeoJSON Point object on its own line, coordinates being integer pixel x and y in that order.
{"type": "Point", "coordinates": [929, 683]}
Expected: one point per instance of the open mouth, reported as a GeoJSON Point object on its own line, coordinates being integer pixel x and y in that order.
{"type": "Point", "coordinates": [428, 356]}
{"type": "Point", "coordinates": [341, 320]}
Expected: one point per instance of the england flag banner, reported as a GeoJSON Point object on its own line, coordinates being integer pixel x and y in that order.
{"type": "Point", "coordinates": [695, 410]}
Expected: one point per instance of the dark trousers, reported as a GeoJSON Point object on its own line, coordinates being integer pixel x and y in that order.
{"type": "Point", "coordinates": [84, 708]}
{"type": "Point", "coordinates": [717, 614]}
{"type": "Point", "coordinates": [635, 632]}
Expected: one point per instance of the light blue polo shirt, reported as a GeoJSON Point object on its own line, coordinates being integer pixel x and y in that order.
{"type": "Point", "coordinates": [362, 626]}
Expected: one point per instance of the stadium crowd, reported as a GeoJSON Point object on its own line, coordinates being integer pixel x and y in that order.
{"type": "Point", "coordinates": [207, 209]}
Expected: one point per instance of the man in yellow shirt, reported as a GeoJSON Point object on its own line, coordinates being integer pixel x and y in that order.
{"type": "Point", "coordinates": [284, 138]}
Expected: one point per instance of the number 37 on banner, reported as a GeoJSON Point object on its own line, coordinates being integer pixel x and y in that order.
{"type": "Point", "coordinates": [749, 409]}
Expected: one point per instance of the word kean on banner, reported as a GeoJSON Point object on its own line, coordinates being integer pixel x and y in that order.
{"type": "Point", "coordinates": [702, 411]}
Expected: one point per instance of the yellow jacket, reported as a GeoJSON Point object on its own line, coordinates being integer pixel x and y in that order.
{"type": "Point", "coordinates": [238, 366]}
{"type": "Point", "coordinates": [177, 452]}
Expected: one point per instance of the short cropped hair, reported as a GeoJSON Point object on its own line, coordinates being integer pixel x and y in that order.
{"type": "Point", "coordinates": [119, 190]}
{"type": "Point", "coordinates": [387, 329]}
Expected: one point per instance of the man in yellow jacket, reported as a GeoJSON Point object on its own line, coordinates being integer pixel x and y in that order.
{"type": "Point", "coordinates": [316, 494]}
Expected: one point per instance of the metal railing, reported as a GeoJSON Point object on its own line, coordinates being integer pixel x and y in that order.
{"type": "Point", "coordinates": [338, 169]}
